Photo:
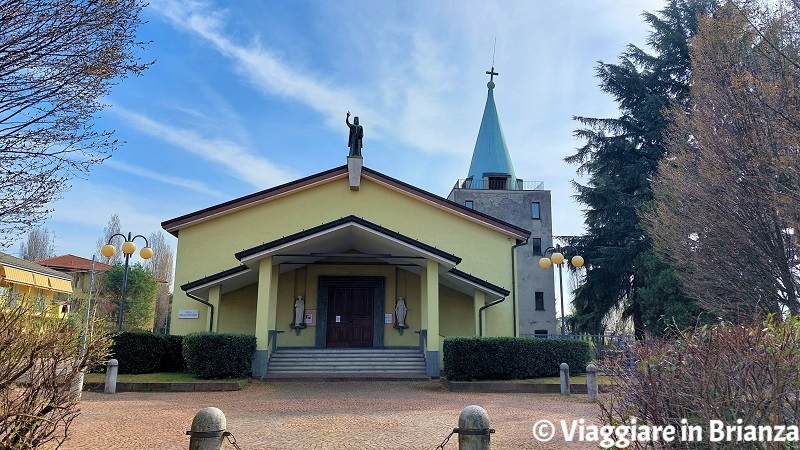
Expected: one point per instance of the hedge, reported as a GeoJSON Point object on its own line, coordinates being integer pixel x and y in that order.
{"type": "Point", "coordinates": [146, 352]}
{"type": "Point", "coordinates": [210, 355]}
{"type": "Point", "coordinates": [509, 358]}
{"type": "Point", "coordinates": [172, 358]}
{"type": "Point", "coordinates": [138, 351]}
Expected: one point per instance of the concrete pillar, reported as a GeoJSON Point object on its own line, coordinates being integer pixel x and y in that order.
{"type": "Point", "coordinates": [432, 308]}
{"type": "Point", "coordinates": [265, 315]}
{"type": "Point", "coordinates": [564, 369]}
{"type": "Point", "coordinates": [111, 376]}
{"type": "Point", "coordinates": [591, 382]}
{"type": "Point", "coordinates": [208, 430]}
{"type": "Point", "coordinates": [272, 319]}
{"type": "Point", "coordinates": [214, 297]}
{"type": "Point", "coordinates": [479, 301]}
{"type": "Point", "coordinates": [423, 298]}
{"type": "Point", "coordinates": [473, 429]}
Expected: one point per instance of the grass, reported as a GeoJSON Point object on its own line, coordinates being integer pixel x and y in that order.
{"type": "Point", "coordinates": [574, 379]}
{"type": "Point", "coordinates": [161, 377]}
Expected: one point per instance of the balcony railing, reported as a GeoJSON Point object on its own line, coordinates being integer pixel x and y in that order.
{"type": "Point", "coordinates": [501, 185]}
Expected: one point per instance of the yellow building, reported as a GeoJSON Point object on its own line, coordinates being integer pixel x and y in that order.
{"type": "Point", "coordinates": [323, 262]}
{"type": "Point", "coordinates": [22, 280]}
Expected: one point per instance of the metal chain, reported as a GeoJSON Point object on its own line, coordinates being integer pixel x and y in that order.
{"type": "Point", "coordinates": [231, 439]}
{"type": "Point", "coordinates": [444, 442]}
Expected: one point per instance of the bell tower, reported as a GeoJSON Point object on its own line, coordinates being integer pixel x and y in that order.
{"type": "Point", "coordinates": [492, 187]}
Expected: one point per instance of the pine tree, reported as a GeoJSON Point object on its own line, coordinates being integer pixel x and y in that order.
{"type": "Point", "coordinates": [620, 156]}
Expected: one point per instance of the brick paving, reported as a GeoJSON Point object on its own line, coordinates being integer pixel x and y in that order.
{"type": "Point", "coordinates": [320, 415]}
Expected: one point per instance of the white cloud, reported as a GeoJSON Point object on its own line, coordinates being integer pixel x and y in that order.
{"type": "Point", "coordinates": [234, 157]}
{"type": "Point", "coordinates": [413, 108]}
{"type": "Point", "coordinates": [80, 216]}
{"type": "Point", "coordinates": [262, 67]}
{"type": "Point", "coordinates": [194, 185]}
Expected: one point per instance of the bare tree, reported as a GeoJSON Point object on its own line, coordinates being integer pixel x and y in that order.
{"type": "Point", "coordinates": [58, 58]}
{"type": "Point", "coordinates": [39, 245]}
{"type": "Point", "coordinates": [39, 372]}
{"type": "Point", "coordinates": [722, 213]}
{"type": "Point", "coordinates": [161, 266]}
{"type": "Point", "coordinates": [111, 229]}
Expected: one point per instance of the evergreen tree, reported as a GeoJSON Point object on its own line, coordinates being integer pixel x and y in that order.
{"type": "Point", "coordinates": [140, 298]}
{"type": "Point", "coordinates": [620, 156]}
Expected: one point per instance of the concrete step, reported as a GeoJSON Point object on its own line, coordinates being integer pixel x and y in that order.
{"type": "Point", "coordinates": [343, 363]}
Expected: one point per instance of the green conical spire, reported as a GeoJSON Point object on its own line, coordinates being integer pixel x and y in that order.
{"type": "Point", "coordinates": [491, 153]}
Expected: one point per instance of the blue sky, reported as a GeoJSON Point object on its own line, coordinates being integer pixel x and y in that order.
{"type": "Point", "coordinates": [247, 95]}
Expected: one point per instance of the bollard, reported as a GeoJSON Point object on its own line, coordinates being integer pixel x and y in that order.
{"type": "Point", "coordinates": [76, 387]}
{"type": "Point", "coordinates": [111, 376]}
{"type": "Point", "coordinates": [208, 430]}
{"type": "Point", "coordinates": [591, 382]}
{"type": "Point", "coordinates": [564, 367]}
{"type": "Point", "coordinates": [473, 429]}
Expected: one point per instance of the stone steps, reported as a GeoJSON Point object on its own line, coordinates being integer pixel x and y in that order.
{"type": "Point", "coordinates": [367, 363]}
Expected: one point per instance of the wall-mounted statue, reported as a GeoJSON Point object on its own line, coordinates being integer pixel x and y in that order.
{"type": "Point", "coordinates": [299, 312]}
{"type": "Point", "coordinates": [400, 313]}
{"type": "Point", "coordinates": [354, 141]}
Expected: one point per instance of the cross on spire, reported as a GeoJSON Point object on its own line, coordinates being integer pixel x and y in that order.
{"type": "Point", "coordinates": [491, 74]}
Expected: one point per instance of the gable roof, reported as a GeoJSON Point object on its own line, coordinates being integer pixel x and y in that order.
{"type": "Point", "coordinates": [18, 263]}
{"type": "Point", "coordinates": [411, 242]}
{"type": "Point", "coordinates": [174, 225]}
{"type": "Point", "coordinates": [73, 263]}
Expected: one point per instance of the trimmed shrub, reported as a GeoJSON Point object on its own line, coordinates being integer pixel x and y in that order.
{"type": "Point", "coordinates": [510, 358]}
{"type": "Point", "coordinates": [172, 358]}
{"type": "Point", "coordinates": [210, 355]}
{"type": "Point", "coordinates": [138, 351]}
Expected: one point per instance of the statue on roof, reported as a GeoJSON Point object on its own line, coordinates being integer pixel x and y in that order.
{"type": "Point", "coordinates": [356, 135]}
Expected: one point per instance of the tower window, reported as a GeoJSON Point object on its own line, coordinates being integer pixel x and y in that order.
{"type": "Point", "coordinates": [539, 300]}
{"type": "Point", "coordinates": [497, 183]}
{"type": "Point", "coordinates": [469, 204]}
{"type": "Point", "coordinates": [535, 210]}
{"type": "Point", "coordinates": [536, 243]}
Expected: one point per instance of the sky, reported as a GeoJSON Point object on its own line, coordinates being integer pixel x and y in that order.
{"type": "Point", "coordinates": [247, 95]}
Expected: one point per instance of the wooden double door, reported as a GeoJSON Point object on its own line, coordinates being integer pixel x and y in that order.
{"type": "Point", "coordinates": [350, 316]}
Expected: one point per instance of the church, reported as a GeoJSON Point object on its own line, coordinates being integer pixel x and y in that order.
{"type": "Point", "coordinates": [353, 271]}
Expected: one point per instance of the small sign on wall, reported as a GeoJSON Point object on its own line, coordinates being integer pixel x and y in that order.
{"type": "Point", "coordinates": [311, 317]}
{"type": "Point", "coordinates": [388, 318]}
{"type": "Point", "coordinates": [188, 314]}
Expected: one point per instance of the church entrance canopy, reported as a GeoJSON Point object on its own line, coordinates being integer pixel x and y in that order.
{"type": "Point", "coordinates": [350, 241]}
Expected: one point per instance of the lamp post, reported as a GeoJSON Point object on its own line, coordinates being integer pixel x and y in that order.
{"type": "Point", "coordinates": [557, 258]}
{"type": "Point", "coordinates": [128, 247]}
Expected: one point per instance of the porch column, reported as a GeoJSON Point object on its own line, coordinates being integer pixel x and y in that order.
{"type": "Point", "coordinates": [214, 297]}
{"type": "Point", "coordinates": [478, 300]}
{"type": "Point", "coordinates": [265, 315]}
{"type": "Point", "coordinates": [431, 306]}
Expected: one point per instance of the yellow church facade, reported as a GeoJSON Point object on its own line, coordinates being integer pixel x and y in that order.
{"type": "Point", "coordinates": [346, 258]}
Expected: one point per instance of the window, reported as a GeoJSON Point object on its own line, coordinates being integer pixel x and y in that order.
{"type": "Point", "coordinates": [536, 243]}
{"type": "Point", "coordinates": [539, 300]}
{"type": "Point", "coordinates": [540, 333]}
{"type": "Point", "coordinates": [497, 183]}
{"type": "Point", "coordinates": [535, 212]}
{"type": "Point", "coordinates": [468, 204]}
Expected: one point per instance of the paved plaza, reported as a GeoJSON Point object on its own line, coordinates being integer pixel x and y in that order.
{"type": "Point", "coordinates": [320, 415]}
